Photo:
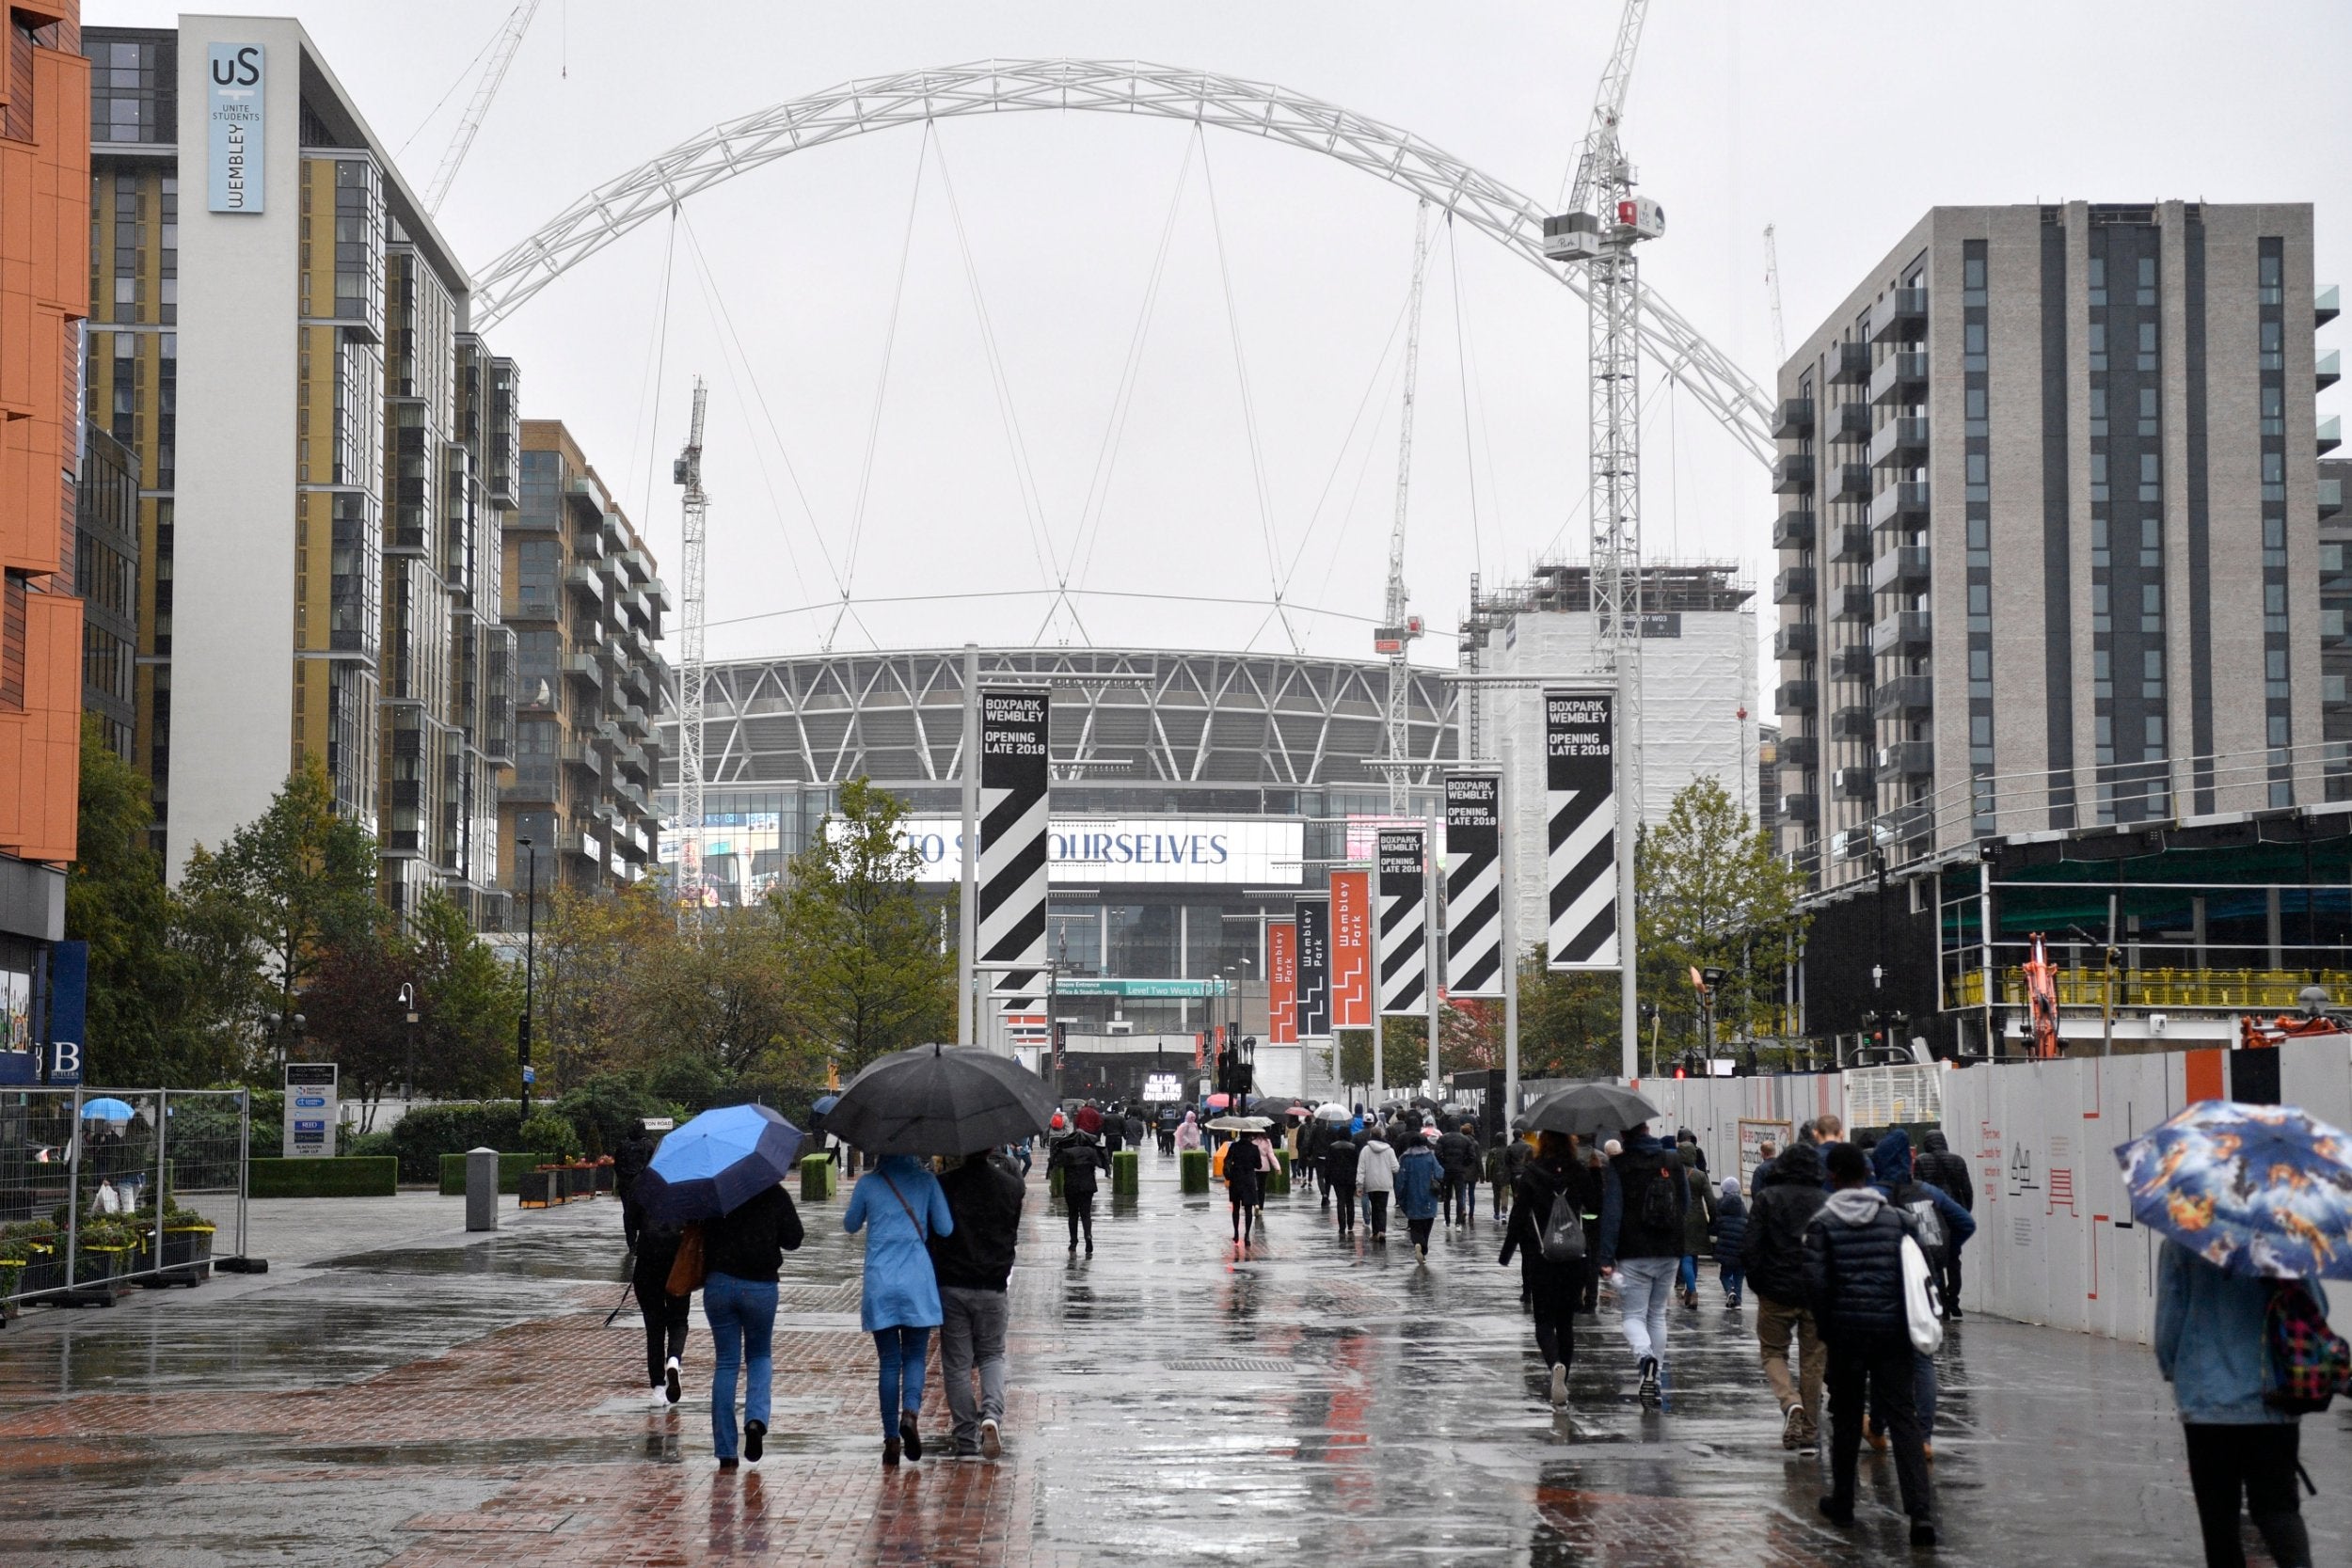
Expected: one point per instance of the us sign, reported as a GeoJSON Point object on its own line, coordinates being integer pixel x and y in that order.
{"type": "Point", "coordinates": [235, 118]}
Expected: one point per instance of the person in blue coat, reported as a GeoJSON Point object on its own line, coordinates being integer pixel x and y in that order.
{"type": "Point", "coordinates": [1942, 1225]}
{"type": "Point", "coordinates": [899, 1207]}
{"type": "Point", "coordinates": [1418, 1180]}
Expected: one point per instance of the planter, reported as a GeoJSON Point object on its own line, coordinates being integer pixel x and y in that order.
{"type": "Point", "coordinates": [539, 1188]}
{"type": "Point", "coordinates": [43, 1271]}
{"type": "Point", "coordinates": [101, 1274]}
{"type": "Point", "coordinates": [1277, 1180]}
{"type": "Point", "coordinates": [1193, 1168]}
{"type": "Point", "coordinates": [820, 1178]}
{"type": "Point", "coordinates": [188, 1258]}
{"type": "Point", "coordinates": [1124, 1176]}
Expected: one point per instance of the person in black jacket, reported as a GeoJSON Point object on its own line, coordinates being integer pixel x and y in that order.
{"type": "Point", "coordinates": [665, 1314]}
{"type": "Point", "coordinates": [1854, 1284]}
{"type": "Point", "coordinates": [1457, 1156]}
{"type": "Point", "coordinates": [629, 1163]}
{"type": "Point", "coordinates": [1938, 1166]}
{"type": "Point", "coordinates": [1645, 1194]}
{"type": "Point", "coordinates": [1552, 1174]}
{"type": "Point", "coordinates": [1340, 1153]}
{"type": "Point", "coordinates": [973, 1264]}
{"type": "Point", "coordinates": [742, 1252]}
{"type": "Point", "coordinates": [1772, 1255]}
{"type": "Point", "coordinates": [1078, 1154]}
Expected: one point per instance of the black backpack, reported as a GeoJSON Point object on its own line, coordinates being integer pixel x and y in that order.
{"type": "Point", "coordinates": [1564, 1232]}
{"type": "Point", "coordinates": [1659, 1212]}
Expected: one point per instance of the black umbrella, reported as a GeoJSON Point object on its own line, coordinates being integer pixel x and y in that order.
{"type": "Point", "coordinates": [1587, 1110]}
{"type": "Point", "coordinates": [940, 1100]}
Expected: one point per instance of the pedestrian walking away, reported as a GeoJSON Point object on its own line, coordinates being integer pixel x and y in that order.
{"type": "Point", "coordinates": [1730, 1228]}
{"type": "Point", "coordinates": [1551, 1177]}
{"type": "Point", "coordinates": [1937, 1224]}
{"type": "Point", "coordinates": [1375, 1172]}
{"type": "Point", "coordinates": [1419, 1180]}
{"type": "Point", "coordinates": [1244, 1187]}
{"type": "Point", "coordinates": [1497, 1173]}
{"type": "Point", "coordinates": [1772, 1263]}
{"type": "Point", "coordinates": [1698, 1220]}
{"type": "Point", "coordinates": [742, 1254]}
{"type": "Point", "coordinates": [1163, 1128]}
{"type": "Point", "coordinates": [1938, 1164]}
{"type": "Point", "coordinates": [899, 1206]}
{"type": "Point", "coordinates": [972, 1263]}
{"type": "Point", "coordinates": [665, 1315]}
{"type": "Point", "coordinates": [1111, 1126]}
{"type": "Point", "coordinates": [1457, 1156]}
{"type": "Point", "coordinates": [1854, 1284]}
{"type": "Point", "coordinates": [1645, 1203]}
{"type": "Point", "coordinates": [1078, 1154]}
{"type": "Point", "coordinates": [1137, 1132]}
{"type": "Point", "coordinates": [1340, 1158]}
{"type": "Point", "coordinates": [1307, 1164]}
{"type": "Point", "coordinates": [629, 1163]}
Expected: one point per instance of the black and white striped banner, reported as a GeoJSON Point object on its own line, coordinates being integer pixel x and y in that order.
{"type": "Point", "coordinates": [1581, 811]}
{"type": "Point", "coordinates": [1314, 969]}
{"type": "Point", "coordinates": [1473, 884]}
{"type": "Point", "coordinates": [1404, 938]}
{"type": "Point", "coordinates": [1014, 782]}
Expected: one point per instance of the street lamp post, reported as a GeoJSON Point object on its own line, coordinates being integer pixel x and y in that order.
{"type": "Point", "coordinates": [409, 1078]}
{"type": "Point", "coordinates": [531, 958]}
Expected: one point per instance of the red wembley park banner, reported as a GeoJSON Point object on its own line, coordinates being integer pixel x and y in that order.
{"type": "Point", "coordinates": [1351, 950]}
{"type": "Point", "coordinates": [1281, 973]}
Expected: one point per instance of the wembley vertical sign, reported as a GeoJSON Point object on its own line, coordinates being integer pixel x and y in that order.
{"type": "Point", "coordinates": [1014, 781]}
{"type": "Point", "coordinates": [1473, 884]}
{"type": "Point", "coordinates": [1281, 976]}
{"type": "Point", "coordinates": [1581, 813]}
{"type": "Point", "coordinates": [1404, 942]}
{"type": "Point", "coordinates": [236, 117]}
{"type": "Point", "coordinates": [1351, 950]}
{"type": "Point", "coordinates": [1314, 969]}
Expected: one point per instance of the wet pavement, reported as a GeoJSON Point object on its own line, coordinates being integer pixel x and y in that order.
{"type": "Point", "coordinates": [396, 1392]}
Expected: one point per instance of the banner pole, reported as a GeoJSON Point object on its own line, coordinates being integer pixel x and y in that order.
{"type": "Point", "coordinates": [968, 900]}
{"type": "Point", "coordinates": [1628, 823]}
{"type": "Point", "coordinates": [1430, 872]}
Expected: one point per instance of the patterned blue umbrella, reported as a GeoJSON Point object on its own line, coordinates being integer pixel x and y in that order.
{"type": "Point", "coordinates": [2252, 1189]}
{"type": "Point", "coordinates": [717, 1163]}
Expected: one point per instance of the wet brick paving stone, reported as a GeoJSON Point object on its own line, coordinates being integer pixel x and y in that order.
{"type": "Point", "coordinates": [448, 1401]}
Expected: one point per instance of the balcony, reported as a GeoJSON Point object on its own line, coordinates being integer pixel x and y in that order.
{"type": "Point", "coordinates": [2324, 306]}
{"type": "Point", "coordinates": [1791, 473]}
{"type": "Point", "coordinates": [1852, 483]}
{"type": "Point", "coordinates": [2330, 434]}
{"type": "Point", "coordinates": [582, 757]}
{"type": "Point", "coordinates": [587, 581]}
{"type": "Point", "coordinates": [588, 543]}
{"type": "Point", "coordinates": [1899, 378]}
{"type": "Point", "coordinates": [1904, 697]}
{"type": "Point", "coordinates": [1851, 424]}
{"type": "Point", "coordinates": [1793, 420]}
{"type": "Point", "coordinates": [1900, 443]}
{"type": "Point", "coordinates": [1797, 697]}
{"type": "Point", "coordinates": [582, 668]}
{"type": "Point", "coordinates": [1907, 759]}
{"type": "Point", "coordinates": [2332, 627]}
{"type": "Point", "coordinates": [2327, 368]}
{"type": "Point", "coordinates": [1797, 640]}
{"type": "Point", "coordinates": [1905, 631]}
{"type": "Point", "coordinates": [2332, 694]}
{"type": "Point", "coordinates": [1849, 602]}
{"type": "Point", "coordinates": [1848, 364]}
{"type": "Point", "coordinates": [1903, 504]}
{"type": "Point", "coordinates": [1799, 752]}
{"type": "Point", "coordinates": [1851, 723]}
{"type": "Point", "coordinates": [1853, 663]}
{"type": "Point", "coordinates": [1905, 569]}
{"type": "Point", "coordinates": [1900, 316]}
{"type": "Point", "coordinates": [1799, 808]}
{"type": "Point", "coordinates": [1793, 585]}
{"type": "Point", "coordinates": [1850, 543]}
{"type": "Point", "coordinates": [1793, 530]}
{"type": "Point", "coordinates": [1854, 784]}
{"type": "Point", "coordinates": [2330, 497]}
{"type": "Point", "coordinates": [2333, 566]}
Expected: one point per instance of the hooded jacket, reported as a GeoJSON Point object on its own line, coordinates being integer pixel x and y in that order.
{"type": "Point", "coordinates": [1188, 1132]}
{"type": "Point", "coordinates": [1417, 1176]}
{"type": "Point", "coordinates": [1078, 1155]}
{"type": "Point", "coordinates": [1939, 1164]}
{"type": "Point", "coordinates": [984, 1198]}
{"type": "Point", "coordinates": [1730, 1228]}
{"type": "Point", "coordinates": [631, 1160]}
{"type": "Point", "coordinates": [1624, 1232]}
{"type": "Point", "coordinates": [1854, 1271]}
{"type": "Point", "coordinates": [1772, 1249]}
{"type": "Point", "coordinates": [1339, 1157]}
{"type": "Point", "coordinates": [1534, 1190]}
{"type": "Point", "coordinates": [1698, 1220]}
{"type": "Point", "coordinates": [1457, 1154]}
{"type": "Point", "coordinates": [1376, 1165]}
{"type": "Point", "coordinates": [1890, 1170]}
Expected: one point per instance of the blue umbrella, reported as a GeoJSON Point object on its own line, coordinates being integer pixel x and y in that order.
{"type": "Point", "coordinates": [823, 1103]}
{"type": "Point", "coordinates": [105, 1110]}
{"type": "Point", "coordinates": [717, 1163]}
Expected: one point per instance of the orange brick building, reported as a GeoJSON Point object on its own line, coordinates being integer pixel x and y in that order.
{"type": "Point", "coordinates": [44, 295]}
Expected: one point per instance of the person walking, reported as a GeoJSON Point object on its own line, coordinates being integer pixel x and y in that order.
{"type": "Point", "coordinates": [972, 1263]}
{"type": "Point", "coordinates": [1645, 1203]}
{"type": "Point", "coordinates": [1341, 1157]}
{"type": "Point", "coordinates": [665, 1315]}
{"type": "Point", "coordinates": [1854, 1284]}
{"type": "Point", "coordinates": [1730, 1226]}
{"type": "Point", "coordinates": [1308, 1165]}
{"type": "Point", "coordinates": [1188, 1133]}
{"type": "Point", "coordinates": [743, 1252]}
{"type": "Point", "coordinates": [1772, 1262]}
{"type": "Point", "coordinates": [1498, 1174]}
{"type": "Point", "coordinates": [899, 1206]}
{"type": "Point", "coordinates": [1457, 1157]}
{"type": "Point", "coordinates": [1244, 1187]}
{"type": "Point", "coordinates": [1164, 1124]}
{"type": "Point", "coordinates": [1936, 1163]}
{"type": "Point", "coordinates": [1078, 1154]}
{"type": "Point", "coordinates": [1376, 1171]}
{"type": "Point", "coordinates": [1592, 1160]}
{"type": "Point", "coordinates": [1137, 1132]}
{"type": "Point", "coordinates": [1698, 1221]}
{"type": "Point", "coordinates": [629, 1163]}
{"type": "Point", "coordinates": [1420, 1178]}
{"type": "Point", "coordinates": [2213, 1345]}
{"type": "Point", "coordinates": [1109, 1125]}
{"type": "Point", "coordinates": [1938, 1222]}
{"type": "Point", "coordinates": [1550, 1176]}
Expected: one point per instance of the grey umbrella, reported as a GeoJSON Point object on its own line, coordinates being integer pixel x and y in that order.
{"type": "Point", "coordinates": [940, 1100]}
{"type": "Point", "coordinates": [1587, 1110]}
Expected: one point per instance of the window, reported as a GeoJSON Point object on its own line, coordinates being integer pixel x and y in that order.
{"type": "Point", "coordinates": [2156, 735]}
{"type": "Point", "coordinates": [1974, 337]}
{"type": "Point", "coordinates": [2274, 598]}
{"type": "Point", "coordinates": [2103, 672]}
{"type": "Point", "coordinates": [2098, 538]}
{"type": "Point", "coordinates": [2150, 477]}
{"type": "Point", "coordinates": [1979, 479]}
{"type": "Point", "coordinates": [2274, 543]}
{"type": "Point", "coordinates": [2098, 412]}
{"type": "Point", "coordinates": [2098, 281]}
{"type": "Point", "coordinates": [2147, 345]}
{"type": "Point", "coordinates": [1979, 729]}
{"type": "Point", "coordinates": [2152, 607]}
{"type": "Point", "coordinates": [1977, 422]}
{"type": "Point", "coordinates": [2152, 542]}
{"type": "Point", "coordinates": [2098, 345]}
{"type": "Point", "coordinates": [1972, 277]}
{"type": "Point", "coordinates": [2274, 411]}
{"type": "Point", "coordinates": [2273, 291]}
{"type": "Point", "coordinates": [2098, 476]}
{"type": "Point", "coordinates": [2147, 411]}
{"type": "Point", "coordinates": [2279, 730]}
{"type": "Point", "coordinates": [2147, 280]}
{"type": "Point", "coordinates": [2272, 358]}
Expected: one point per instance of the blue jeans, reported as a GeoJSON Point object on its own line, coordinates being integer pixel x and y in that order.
{"type": "Point", "coordinates": [1733, 1280]}
{"type": "Point", "coordinates": [1644, 1291]}
{"type": "Point", "coordinates": [742, 1318]}
{"type": "Point", "coordinates": [1687, 1273]}
{"type": "Point", "coordinates": [900, 1351]}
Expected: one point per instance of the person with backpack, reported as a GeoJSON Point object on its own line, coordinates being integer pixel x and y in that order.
{"type": "Point", "coordinates": [1698, 1222]}
{"type": "Point", "coordinates": [1644, 1197]}
{"type": "Point", "coordinates": [1938, 1166]}
{"type": "Point", "coordinates": [1939, 1224]}
{"type": "Point", "coordinates": [972, 1263]}
{"type": "Point", "coordinates": [665, 1314]}
{"type": "Point", "coordinates": [1546, 1229]}
{"type": "Point", "coordinates": [1730, 1228]}
{"type": "Point", "coordinates": [1772, 1262]}
{"type": "Point", "coordinates": [1340, 1154]}
{"type": "Point", "coordinates": [2216, 1342]}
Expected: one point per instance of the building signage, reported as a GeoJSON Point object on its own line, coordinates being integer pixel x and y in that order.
{"type": "Point", "coordinates": [1175, 850]}
{"type": "Point", "coordinates": [310, 1110]}
{"type": "Point", "coordinates": [1012, 883]}
{"type": "Point", "coordinates": [235, 112]}
{"type": "Point", "coordinates": [1403, 914]}
{"type": "Point", "coordinates": [1314, 1006]}
{"type": "Point", "coordinates": [1473, 884]}
{"type": "Point", "coordinates": [1581, 817]}
{"type": "Point", "coordinates": [1098, 985]}
{"type": "Point", "coordinates": [1351, 950]}
{"type": "Point", "coordinates": [1282, 981]}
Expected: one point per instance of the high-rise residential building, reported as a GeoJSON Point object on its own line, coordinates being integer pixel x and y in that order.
{"type": "Point", "coordinates": [107, 575]}
{"type": "Point", "coordinates": [2049, 537]}
{"type": "Point", "coordinates": [586, 604]}
{"type": "Point", "coordinates": [44, 223]}
{"type": "Point", "coordinates": [349, 463]}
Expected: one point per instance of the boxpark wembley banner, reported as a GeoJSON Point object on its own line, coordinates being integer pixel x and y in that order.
{"type": "Point", "coordinates": [1013, 816]}
{"type": "Point", "coordinates": [1314, 969]}
{"type": "Point", "coordinates": [1473, 884]}
{"type": "Point", "coordinates": [1580, 816]}
{"type": "Point", "coordinates": [1404, 935]}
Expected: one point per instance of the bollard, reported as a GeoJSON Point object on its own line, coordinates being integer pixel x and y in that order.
{"type": "Point", "coordinates": [817, 1175]}
{"type": "Point", "coordinates": [1277, 1180]}
{"type": "Point", "coordinates": [482, 1189]}
{"type": "Point", "coordinates": [1124, 1182]}
{"type": "Point", "coordinates": [1193, 1165]}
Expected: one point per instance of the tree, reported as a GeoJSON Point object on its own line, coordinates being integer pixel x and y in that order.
{"type": "Point", "coordinates": [859, 940]}
{"type": "Point", "coordinates": [1567, 1021]}
{"type": "Point", "coordinates": [1712, 893]}
{"type": "Point", "coordinates": [600, 955]}
{"type": "Point", "coordinates": [469, 1001]}
{"type": "Point", "coordinates": [727, 997]}
{"type": "Point", "coordinates": [354, 1018]}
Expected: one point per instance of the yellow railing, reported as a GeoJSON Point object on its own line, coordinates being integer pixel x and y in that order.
{"type": "Point", "coordinates": [2253, 989]}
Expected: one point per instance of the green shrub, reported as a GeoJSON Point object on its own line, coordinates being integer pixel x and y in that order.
{"type": "Point", "coordinates": [552, 1136]}
{"type": "Point", "coordinates": [370, 1146]}
{"type": "Point", "coordinates": [686, 1081]}
{"type": "Point", "coordinates": [603, 1109]}
{"type": "Point", "coordinates": [511, 1168]}
{"type": "Point", "coordinates": [429, 1132]}
{"type": "Point", "coordinates": [313, 1177]}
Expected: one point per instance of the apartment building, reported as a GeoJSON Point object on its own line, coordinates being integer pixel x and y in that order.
{"type": "Point", "coordinates": [586, 605]}
{"type": "Point", "coordinates": [107, 575]}
{"type": "Point", "coordinates": [346, 410]}
{"type": "Point", "coordinates": [2050, 531]}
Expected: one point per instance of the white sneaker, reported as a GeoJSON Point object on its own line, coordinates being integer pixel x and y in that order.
{"type": "Point", "coordinates": [670, 1389]}
{"type": "Point", "coordinates": [661, 1398]}
{"type": "Point", "coordinates": [991, 1442]}
{"type": "Point", "coordinates": [1559, 1385]}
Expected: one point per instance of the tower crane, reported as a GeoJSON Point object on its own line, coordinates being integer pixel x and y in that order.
{"type": "Point", "coordinates": [510, 38]}
{"type": "Point", "coordinates": [1397, 629]}
{"type": "Point", "coordinates": [1771, 287]}
{"type": "Point", "coordinates": [687, 471]}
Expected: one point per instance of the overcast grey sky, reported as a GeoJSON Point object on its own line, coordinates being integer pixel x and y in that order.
{"type": "Point", "coordinates": [1836, 122]}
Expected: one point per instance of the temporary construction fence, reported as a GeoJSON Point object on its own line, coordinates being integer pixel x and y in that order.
{"type": "Point", "coordinates": [104, 1189]}
{"type": "Point", "coordinates": [2054, 1242]}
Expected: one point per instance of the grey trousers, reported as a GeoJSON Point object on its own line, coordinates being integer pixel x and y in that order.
{"type": "Point", "coordinates": [972, 1334]}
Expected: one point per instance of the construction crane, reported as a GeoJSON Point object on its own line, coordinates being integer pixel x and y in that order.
{"type": "Point", "coordinates": [1397, 629]}
{"type": "Point", "coordinates": [1771, 287]}
{"type": "Point", "coordinates": [687, 471]}
{"type": "Point", "coordinates": [502, 47]}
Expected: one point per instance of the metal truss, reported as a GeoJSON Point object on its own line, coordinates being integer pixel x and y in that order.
{"type": "Point", "coordinates": [1156, 717]}
{"type": "Point", "coordinates": [1193, 96]}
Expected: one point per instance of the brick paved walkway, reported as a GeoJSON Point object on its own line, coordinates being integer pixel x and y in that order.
{"type": "Point", "coordinates": [443, 1403]}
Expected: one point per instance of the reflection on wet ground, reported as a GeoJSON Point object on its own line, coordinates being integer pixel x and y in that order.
{"type": "Point", "coordinates": [441, 1399]}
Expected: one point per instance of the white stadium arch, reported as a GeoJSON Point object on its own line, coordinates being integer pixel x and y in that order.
{"type": "Point", "coordinates": [1129, 87]}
